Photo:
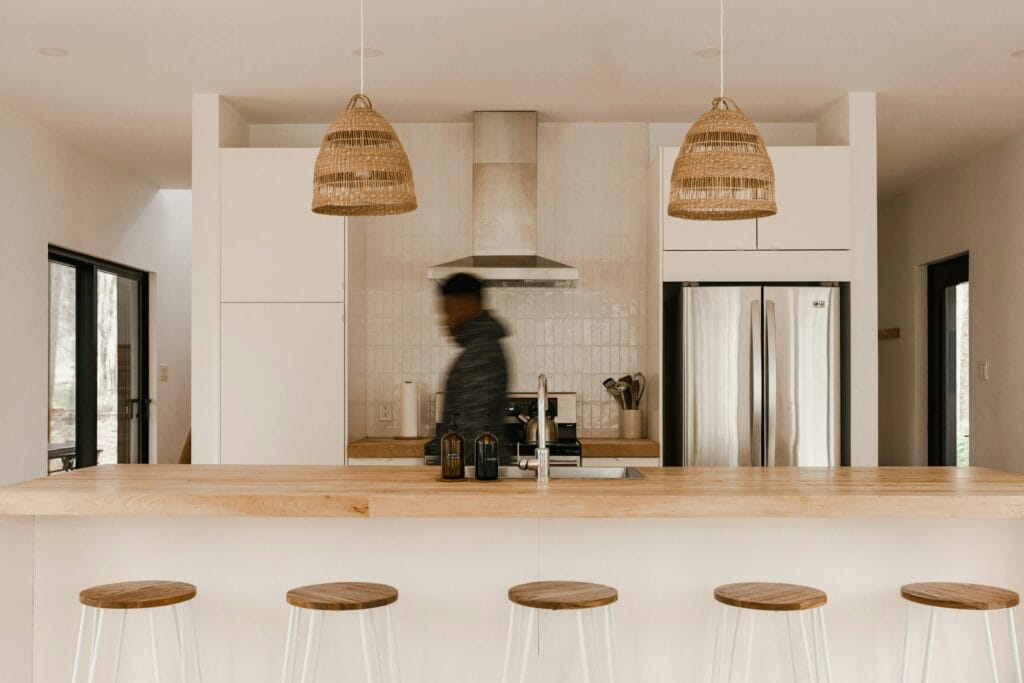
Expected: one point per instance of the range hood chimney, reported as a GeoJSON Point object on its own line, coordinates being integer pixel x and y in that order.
{"type": "Point", "coordinates": [505, 207]}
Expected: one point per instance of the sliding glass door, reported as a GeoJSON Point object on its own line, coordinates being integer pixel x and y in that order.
{"type": "Point", "coordinates": [98, 378]}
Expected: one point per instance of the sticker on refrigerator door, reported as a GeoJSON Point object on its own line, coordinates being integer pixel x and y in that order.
{"type": "Point", "coordinates": [818, 303]}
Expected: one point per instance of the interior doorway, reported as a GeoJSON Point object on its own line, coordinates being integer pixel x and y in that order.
{"type": "Point", "coordinates": [98, 372]}
{"type": "Point", "coordinates": [949, 362]}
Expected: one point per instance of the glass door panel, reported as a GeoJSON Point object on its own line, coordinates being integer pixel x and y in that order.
{"type": "Point", "coordinates": [62, 373]}
{"type": "Point", "coordinates": [117, 371]}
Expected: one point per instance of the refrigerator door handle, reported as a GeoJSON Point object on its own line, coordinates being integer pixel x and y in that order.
{"type": "Point", "coordinates": [755, 385]}
{"type": "Point", "coordinates": [770, 412]}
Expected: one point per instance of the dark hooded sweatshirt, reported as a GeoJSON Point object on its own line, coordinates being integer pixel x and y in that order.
{"type": "Point", "coordinates": [477, 380]}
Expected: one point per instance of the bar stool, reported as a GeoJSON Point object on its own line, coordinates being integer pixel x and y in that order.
{"type": "Point", "coordinates": [138, 595]}
{"type": "Point", "coordinates": [959, 596]}
{"type": "Point", "coordinates": [342, 597]}
{"type": "Point", "coordinates": [581, 597]}
{"type": "Point", "coordinates": [793, 601]}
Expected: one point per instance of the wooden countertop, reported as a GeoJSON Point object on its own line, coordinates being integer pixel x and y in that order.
{"type": "Point", "coordinates": [396, 491]}
{"type": "Point", "coordinates": [383, 447]}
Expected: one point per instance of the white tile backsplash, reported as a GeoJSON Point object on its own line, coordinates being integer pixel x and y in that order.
{"type": "Point", "coordinates": [591, 210]}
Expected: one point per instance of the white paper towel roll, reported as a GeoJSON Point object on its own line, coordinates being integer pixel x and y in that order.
{"type": "Point", "coordinates": [410, 425]}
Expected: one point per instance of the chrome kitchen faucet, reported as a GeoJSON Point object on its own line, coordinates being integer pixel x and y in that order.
{"type": "Point", "coordinates": [541, 463]}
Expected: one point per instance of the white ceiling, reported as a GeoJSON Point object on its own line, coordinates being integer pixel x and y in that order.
{"type": "Point", "coordinates": [946, 82]}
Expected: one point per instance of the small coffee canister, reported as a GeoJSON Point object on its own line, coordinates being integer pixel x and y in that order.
{"type": "Point", "coordinates": [630, 424]}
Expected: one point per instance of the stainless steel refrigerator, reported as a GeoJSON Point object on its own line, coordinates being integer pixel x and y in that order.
{"type": "Point", "coordinates": [755, 375]}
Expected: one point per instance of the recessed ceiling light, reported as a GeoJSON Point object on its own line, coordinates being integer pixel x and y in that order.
{"type": "Point", "coordinates": [368, 52]}
{"type": "Point", "coordinates": [52, 51]}
{"type": "Point", "coordinates": [1019, 54]}
{"type": "Point", "coordinates": [707, 52]}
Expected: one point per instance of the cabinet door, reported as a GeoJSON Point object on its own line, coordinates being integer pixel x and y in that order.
{"type": "Point", "coordinates": [273, 247]}
{"type": "Point", "coordinates": [812, 190]}
{"type": "Point", "coordinates": [282, 384]}
{"type": "Point", "coordinates": [684, 235]}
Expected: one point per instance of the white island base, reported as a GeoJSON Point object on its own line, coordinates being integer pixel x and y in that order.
{"type": "Point", "coordinates": [453, 574]}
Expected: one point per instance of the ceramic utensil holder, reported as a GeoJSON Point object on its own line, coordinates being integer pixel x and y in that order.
{"type": "Point", "coordinates": [629, 424]}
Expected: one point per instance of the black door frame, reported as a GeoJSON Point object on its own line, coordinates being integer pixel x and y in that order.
{"type": "Point", "coordinates": [86, 268]}
{"type": "Point", "coordinates": [941, 358]}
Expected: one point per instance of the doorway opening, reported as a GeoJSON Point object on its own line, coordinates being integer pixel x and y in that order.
{"type": "Point", "coordinates": [99, 363]}
{"type": "Point", "coordinates": [949, 362]}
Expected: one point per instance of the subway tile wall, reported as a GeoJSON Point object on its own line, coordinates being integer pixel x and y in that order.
{"type": "Point", "coordinates": [592, 197]}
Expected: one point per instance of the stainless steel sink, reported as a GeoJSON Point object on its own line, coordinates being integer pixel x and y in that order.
{"type": "Point", "coordinates": [568, 473]}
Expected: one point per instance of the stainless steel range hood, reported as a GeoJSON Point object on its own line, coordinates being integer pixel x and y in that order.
{"type": "Point", "coordinates": [505, 207]}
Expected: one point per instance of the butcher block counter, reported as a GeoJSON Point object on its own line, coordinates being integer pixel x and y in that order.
{"type": "Point", "coordinates": [244, 536]}
{"type": "Point", "coordinates": [317, 491]}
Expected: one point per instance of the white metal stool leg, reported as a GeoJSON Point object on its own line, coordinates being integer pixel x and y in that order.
{"type": "Point", "coordinates": [195, 642]}
{"type": "Point", "coordinates": [394, 674]}
{"type": "Point", "coordinates": [735, 638]}
{"type": "Point", "coordinates": [120, 645]}
{"type": "Point", "coordinates": [309, 661]}
{"type": "Point", "coordinates": [97, 632]}
{"type": "Point", "coordinates": [720, 635]}
{"type": "Point", "coordinates": [904, 677]}
{"type": "Point", "coordinates": [369, 638]}
{"type": "Point", "coordinates": [508, 642]}
{"type": "Point", "coordinates": [991, 648]}
{"type": "Point", "coordinates": [932, 619]}
{"type": "Point", "coordinates": [1014, 647]}
{"type": "Point", "coordinates": [609, 628]}
{"type": "Point", "coordinates": [750, 646]}
{"type": "Point", "coordinates": [583, 646]}
{"type": "Point", "coordinates": [179, 630]}
{"type": "Point", "coordinates": [812, 669]}
{"type": "Point", "coordinates": [288, 670]}
{"type": "Point", "coordinates": [530, 616]}
{"type": "Point", "coordinates": [820, 613]}
{"type": "Point", "coordinates": [156, 651]}
{"type": "Point", "coordinates": [78, 645]}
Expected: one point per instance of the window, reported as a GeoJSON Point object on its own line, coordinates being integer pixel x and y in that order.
{"type": "Point", "coordinates": [948, 363]}
{"type": "Point", "coordinates": [98, 371]}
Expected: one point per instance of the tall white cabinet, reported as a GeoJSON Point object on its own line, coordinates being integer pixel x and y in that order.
{"type": "Point", "coordinates": [282, 321]}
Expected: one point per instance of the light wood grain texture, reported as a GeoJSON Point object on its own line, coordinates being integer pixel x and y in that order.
{"type": "Point", "coordinates": [770, 597]}
{"type": "Point", "coordinates": [342, 596]}
{"type": "Point", "coordinates": [137, 594]}
{"type": "Point", "coordinates": [381, 447]}
{"type": "Point", "coordinates": [562, 595]}
{"type": "Point", "coordinates": [969, 596]}
{"type": "Point", "coordinates": [388, 491]}
{"type": "Point", "coordinates": [620, 448]}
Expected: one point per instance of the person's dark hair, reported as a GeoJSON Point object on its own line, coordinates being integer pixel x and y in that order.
{"type": "Point", "coordinates": [463, 284]}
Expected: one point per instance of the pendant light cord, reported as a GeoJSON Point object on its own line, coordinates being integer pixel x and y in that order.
{"type": "Point", "coordinates": [362, 49]}
{"type": "Point", "coordinates": [721, 48]}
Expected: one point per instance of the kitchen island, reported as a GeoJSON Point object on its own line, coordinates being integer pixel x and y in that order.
{"type": "Point", "coordinates": [244, 535]}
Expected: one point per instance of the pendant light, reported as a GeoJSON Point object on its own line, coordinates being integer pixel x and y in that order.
{"type": "Point", "coordinates": [722, 171]}
{"type": "Point", "coordinates": [362, 168]}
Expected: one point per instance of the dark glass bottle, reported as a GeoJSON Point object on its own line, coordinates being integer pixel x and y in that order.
{"type": "Point", "coordinates": [486, 452]}
{"type": "Point", "coordinates": [453, 453]}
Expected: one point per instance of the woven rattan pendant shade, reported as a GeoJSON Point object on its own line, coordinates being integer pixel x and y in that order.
{"type": "Point", "coordinates": [723, 171]}
{"type": "Point", "coordinates": [362, 168]}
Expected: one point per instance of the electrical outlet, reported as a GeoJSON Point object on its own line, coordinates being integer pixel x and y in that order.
{"type": "Point", "coordinates": [983, 371]}
{"type": "Point", "coordinates": [164, 372]}
{"type": "Point", "coordinates": [387, 411]}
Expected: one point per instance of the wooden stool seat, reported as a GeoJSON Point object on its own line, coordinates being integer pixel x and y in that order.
{"type": "Point", "coordinates": [968, 596]}
{"type": "Point", "coordinates": [771, 597]}
{"type": "Point", "coordinates": [342, 596]}
{"type": "Point", "coordinates": [557, 595]}
{"type": "Point", "coordinates": [137, 594]}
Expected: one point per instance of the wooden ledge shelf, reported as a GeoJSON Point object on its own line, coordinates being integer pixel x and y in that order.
{"type": "Point", "coordinates": [396, 491]}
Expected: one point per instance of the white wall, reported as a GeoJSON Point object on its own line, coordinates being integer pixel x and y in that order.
{"type": "Point", "coordinates": [51, 193]}
{"type": "Point", "coordinates": [975, 207]}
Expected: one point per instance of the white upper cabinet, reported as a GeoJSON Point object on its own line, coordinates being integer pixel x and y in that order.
{"type": "Point", "coordinates": [273, 247]}
{"type": "Point", "coordinates": [685, 235]}
{"type": "Point", "coordinates": [812, 190]}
